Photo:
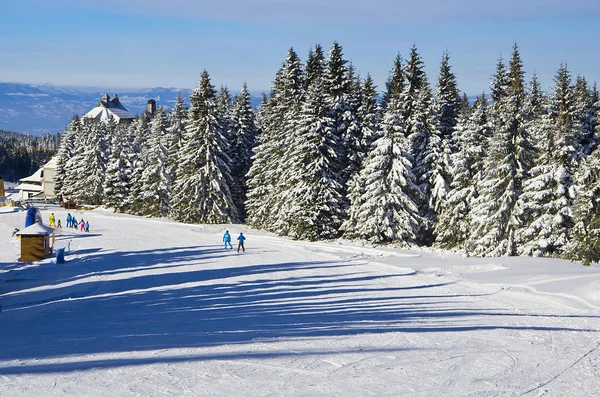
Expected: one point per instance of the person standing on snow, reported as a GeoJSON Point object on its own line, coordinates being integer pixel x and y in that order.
{"type": "Point", "coordinates": [227, 240]}
{"type": "Point", "coordinates": [52, 220]}
{"type": "Point", "coordinates": [69, 219]}
{"type": "Point", "coordinates": [241, 239]}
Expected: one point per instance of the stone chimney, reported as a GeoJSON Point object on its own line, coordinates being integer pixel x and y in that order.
{"type": "Point", "coordinates": [151, 106]}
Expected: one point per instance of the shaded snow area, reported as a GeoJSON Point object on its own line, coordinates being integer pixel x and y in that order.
{"type": "Point", "coordinates": [146, 307]}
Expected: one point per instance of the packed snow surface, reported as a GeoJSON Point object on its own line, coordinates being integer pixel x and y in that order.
{"type": "Point", "coordinates": [147, 307]}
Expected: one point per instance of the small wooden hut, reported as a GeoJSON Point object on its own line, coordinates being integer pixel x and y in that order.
{"type": "Point", "coordinates": [35, 242]}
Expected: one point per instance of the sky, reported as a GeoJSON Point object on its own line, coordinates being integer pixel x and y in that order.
{"type": "Point", "coordinates": [151, 43]}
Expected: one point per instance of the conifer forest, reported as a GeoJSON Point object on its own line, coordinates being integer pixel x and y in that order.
{"type": "Point", "coordinates": [21, 155]}
{"type": "Point", "coordinates": [327, 155]}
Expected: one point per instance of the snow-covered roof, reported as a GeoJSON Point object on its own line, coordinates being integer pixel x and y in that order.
{"type": "Point", "coordinates": [30, 187]}
{"type": "Point", "coordinates": [35, 229]}
{"type": "Point", "coordinates": [36, 177]}
{"type": "Point", "coordinates": [109, 108]}
{"type": "Point", "coordinates": [51, 163]}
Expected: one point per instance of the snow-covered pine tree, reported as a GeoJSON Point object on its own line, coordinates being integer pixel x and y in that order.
{"type": "Point", "coordinates": [65, 152]}
{"type": "Point", "coordinates": [544, 206]}
{"type": "Point", "coordinates": [382, 207]}
{"type": "Point", "coordinates": [202, 193]}
{"type": "Point", "coordinates": [117, 183]}
{"type": "Point", "coordinates": [357, 143]}
{"type": "Point", "coordinates": [584, 115]}
{"type": "Point", "coordinates": [535, 108]}
{"type": "Point", "coordinates": [425, 146]}
{"type": "Point", "coordinates": [153, 195]}
{"type": "Point", "coordinates": [445, 110]}
{"type": "Point", "coordinates": [139, 135]}
{"type": "Point", "coordinates": [585, 241]}
{"type": "Point", "coordinates": [225, 104]}
{"type": "Point", "coordinates": [338, 86]}
{"type": "Point", "coordinates": [447, 101]}
{"type": "Point", "coordinates": [510, 158]}
{"type": "Point", "coordinates": [88, 165]}
{"type": "Point", "coordinates": [394, 86]}
{"type": "Point", "coordinates": [548, 197]}
{"type": "Point", "coordinates": [244, 137]}
{"type": "Point", "coordinates": [276, 114]}
{"type": "Point", "coordinates": [177, 117]}
{"type": "Point", "coordinates": [499, 84]}
{"type": "Point", "coordinates": [370, 115]}
{"type": "Point", "coordinates": [312, 200]}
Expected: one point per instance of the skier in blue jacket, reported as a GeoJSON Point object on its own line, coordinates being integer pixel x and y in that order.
{"type": "Point", "coordinates": [241, 239]}
{"type": "Point", "coordinates": [227, 239]}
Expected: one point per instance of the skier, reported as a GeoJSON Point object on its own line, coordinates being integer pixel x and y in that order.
{"type": "Point", "coordinates": [241, 239]}
{"type": "Point", "coordinates": [87, 226]}
{"type": "Point", "coordinates": [73, 222]}
{"type": "Point", "coordinates": [69, 219]}
{"type": "Point", "coordinates": [82, 225]}
{"type": "Point", "coordinates": [227, 239]}
{"type": "Point", "coordinates": [58, 225]}
{"type": "Point", "coordinates": [52, 220]}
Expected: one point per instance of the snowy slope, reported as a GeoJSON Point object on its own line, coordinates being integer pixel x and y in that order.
{"type": "Point", "coordinates": [147, 307]}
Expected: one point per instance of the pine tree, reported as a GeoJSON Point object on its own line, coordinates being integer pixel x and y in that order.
{"type": "Point", "coordinates": [265, 173]}
{"type": "Point", "coordinates": [584, 117]}
{"type": "Point", "coordinates": [535, 109]}
{"type": "Point", "coordinates": [508, 164]}
{"type": "Point", "coordinates": [585, 242]}
{"type": "Point", "coordinates": [445, 111]}
{"type": "Point", "coordinates": [471, 138]}
{"type": "Point", "coordinates": [499, 83]}
{"type": "Point", "coordinates": [545, 204]}
{"type": "Point", "coordinates": [447, 100]}
{"type": "Point", "coordinates": [202, 191]}
{"type": "Point", "coordinates": [547, 199]}
{"type": "Point", "coordinates": [244, 137]}
{"type": "Point", "coordinates": [88, 165]}
{"type": "Point", "coordinates": [139, 134]}
{"type": "Point", "coordinates": [117, 184]}
{"type": "Point", "coordinates": [425, 146]}
{"type": "Point", "coordinates": [370, 114]}
{"type": "Point", "coordinates": [312, 199]}
{"type": "Point", "coordinates": [347, 129]}
{"type": "Point", "coordinates": [177, 117]}
{"type": "Point", "coordinates": [382, 207]}
{"type": "Point", "coordinates": [154, 183]}
{"type": "Point", "coordinates": [394, 86]}
{"type": "Point", "coordinates": [65, 152]}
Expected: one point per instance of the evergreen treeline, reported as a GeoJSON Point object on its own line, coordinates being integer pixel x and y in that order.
{"type": "Point", "coordinates": [325, 156]}
{"type": "Point", "coordinates": [21, 155]}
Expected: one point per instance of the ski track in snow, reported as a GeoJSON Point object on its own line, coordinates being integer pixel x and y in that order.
{"type": "Point", "coordinates": [151, 307]}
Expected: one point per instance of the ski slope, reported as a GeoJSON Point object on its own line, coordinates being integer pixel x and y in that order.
{"type": "Point", "coordinates": [151, 307]}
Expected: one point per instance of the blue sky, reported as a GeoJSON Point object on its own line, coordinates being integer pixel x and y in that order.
{"type": "Point", "coordinates": [147, 43]}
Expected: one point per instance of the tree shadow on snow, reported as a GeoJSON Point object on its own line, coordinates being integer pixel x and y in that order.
{"type": "Point", "coordinates": [190, 297]}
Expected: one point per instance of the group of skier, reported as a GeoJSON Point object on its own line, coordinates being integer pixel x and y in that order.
{"type": "Point", "coordinates": [82, 225]}
{"type": "Point", "coordinates": [240, 239]}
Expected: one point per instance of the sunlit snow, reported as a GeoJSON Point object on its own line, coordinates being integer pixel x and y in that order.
{"type": "Point", "coordinates": [146, 307]}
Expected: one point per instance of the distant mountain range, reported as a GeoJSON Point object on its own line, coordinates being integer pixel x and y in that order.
{"type": "Point", "coordinates": [47, 109]}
